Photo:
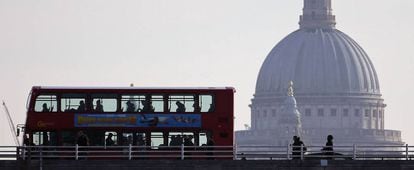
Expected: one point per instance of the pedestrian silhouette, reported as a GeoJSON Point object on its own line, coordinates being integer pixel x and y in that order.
{"type": "Point", "coordinates": [298, 148]}
{"type": "Point", "coordinates": [328, 149]}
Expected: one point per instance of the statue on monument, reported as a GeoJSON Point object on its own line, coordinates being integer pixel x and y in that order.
{"type": "Point", "coordinates": [290, 89]}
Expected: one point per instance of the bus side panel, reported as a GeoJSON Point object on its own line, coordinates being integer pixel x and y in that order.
{"type": "Point", "coordinates": [220, 123]}
{"type": "Point", "coordinates": [45, 121]}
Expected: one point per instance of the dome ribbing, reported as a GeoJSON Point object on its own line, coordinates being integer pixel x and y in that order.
{"type": "Point", "coordinates": [319, 61]}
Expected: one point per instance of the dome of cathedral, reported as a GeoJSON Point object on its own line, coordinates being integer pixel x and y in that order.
{"type": "Point", "coordinates": [319, 61]}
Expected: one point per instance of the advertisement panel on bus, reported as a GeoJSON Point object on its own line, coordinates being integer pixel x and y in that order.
{"type": "Point", "coordinates": [137, 120]}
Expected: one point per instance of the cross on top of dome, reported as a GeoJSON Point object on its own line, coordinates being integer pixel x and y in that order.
{"type": "Point", "coordinates": [317, 14]}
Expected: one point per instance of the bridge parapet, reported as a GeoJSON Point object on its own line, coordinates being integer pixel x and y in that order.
{"type": "Point", "coordinates": [239, 152]}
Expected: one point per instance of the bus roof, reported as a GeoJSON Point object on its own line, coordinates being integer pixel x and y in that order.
{"type": "Point", "coordinates": [129, 88]}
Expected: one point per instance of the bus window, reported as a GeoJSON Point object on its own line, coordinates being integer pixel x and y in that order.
{"type": "Point", "coordinates": [140, 139]}
{"type": "Point", "coordinates": [157, 139]}
{"type": "Point", "coordinates": [202, 138]}
{"type": "Point", "coordinates": [206, 103]}
{"type": "Point", "coordinates": [45, 138]}
{"type": "Point", "coordinates": [179, 138]}
{"type": "Point", "coordinates": [175, 139]}
{"type": "Point", "coordinates": [111, 138]}
{"type": "Point", "coordinates": [181, 103]}
{"type": "Point", "coordinates": [73, 103]}
{"type": "Point", "coordinates": [132, 103]}
{"type": "Point", "coordinates": [104, 103]}
{"type": "Point", "coordinates": [46, 103]}
{"type": "Point", "coordinates": [152, 103]}
{"type": "Point", "coordinates": [127, 139]}
{"type": "Point", "coordinates": [158, 103]}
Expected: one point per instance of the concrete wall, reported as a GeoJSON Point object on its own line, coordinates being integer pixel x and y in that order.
{"type": "Point", "coordinates": [205, 165]}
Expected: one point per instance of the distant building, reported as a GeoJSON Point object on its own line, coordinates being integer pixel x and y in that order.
{"type": "Point", "coordinates": [336, 88]}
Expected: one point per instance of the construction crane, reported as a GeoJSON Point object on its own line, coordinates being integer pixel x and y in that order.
{"type": "Point", "coordinates": [11, 124]}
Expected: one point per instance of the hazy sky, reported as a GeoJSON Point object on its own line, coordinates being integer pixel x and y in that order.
{"type": "Point", "coordinates": [187, 43]}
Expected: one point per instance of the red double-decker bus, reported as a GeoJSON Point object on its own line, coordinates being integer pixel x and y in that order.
{"type": "Point", "coordinates": [130, 116]}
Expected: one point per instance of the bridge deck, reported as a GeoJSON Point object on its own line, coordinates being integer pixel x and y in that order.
{"type": "Point", "coordinates": [206, 164]}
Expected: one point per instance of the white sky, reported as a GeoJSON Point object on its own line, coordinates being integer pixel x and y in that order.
{"type": "Point", "coordinates": [186, 43]}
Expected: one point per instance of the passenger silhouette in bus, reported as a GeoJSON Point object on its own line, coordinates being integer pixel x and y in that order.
{"type": "Point", "coordinates": [180, 107]}
{"type": "Point", "coordinates": [130, 106]}
{"type": "Point", "coordinates": [81, 107]}
{"type": "Point", "coordinates": [211, 109]}
{"type": "Point", "coordinates": [44, 108]}
{"type": "Point", "coordinates": [127, 140]}
{"type": "Point", "coordinates": [210, 145]}
{"type": "Point", "coordinates": [188, 140]}
{"type": "Point", "coordinates": [147, 106]}
{"type": "Point", "coordinates": [82, 139]}
{"type": "Point", "coordinates": [130, 140]}
{"type": "Point", "coordinates": [174, 140]}
{"type": "Point", "coordinates": [196, 107]}
{"type": "Point", "coordinates": [99, 107]}
{"type": "Point", "coordinates": [46, 141]}
{"type": "Point", "coordinates": [109, 141]}
{"type": "Point", "coordinates": [140, 140]}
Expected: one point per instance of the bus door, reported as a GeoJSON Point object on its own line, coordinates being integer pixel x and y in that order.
{"type": "Point", "coordinates": [44, 138]}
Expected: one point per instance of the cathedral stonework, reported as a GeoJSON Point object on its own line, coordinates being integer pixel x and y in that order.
{"type": "Point", "coordinates": [335, 86]}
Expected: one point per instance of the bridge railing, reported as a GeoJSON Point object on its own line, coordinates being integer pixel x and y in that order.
{"type": "Point", "coordinates": [240, 152]}
{"type": "Point", "coordinates": [354, 152]}
{"type": "Point", "coordinates": [119, 152]}
{"type": "Point", "coordinates": [9, 152]}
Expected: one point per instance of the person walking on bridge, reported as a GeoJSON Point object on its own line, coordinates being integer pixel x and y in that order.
{"type": "Point", "coordinates": [298, 148]}
{"type": "Point", "coordinates": [328, 149]}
